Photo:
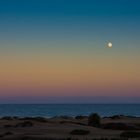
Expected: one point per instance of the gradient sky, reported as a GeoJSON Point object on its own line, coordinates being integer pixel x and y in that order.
{"type": "Point", "coordinates": [57, 48]}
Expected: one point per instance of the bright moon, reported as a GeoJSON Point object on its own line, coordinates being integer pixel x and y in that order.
{"type": "Point", "coordinates": [109, 45]}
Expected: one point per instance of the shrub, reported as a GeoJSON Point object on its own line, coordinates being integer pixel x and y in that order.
{"type": "Point", "coordinates": [7, 118]}
{"type": "Point", "coordinates": [119, 126]}
{"type": "Point", "coordinates": [38, 119]}
{"type": "Point", "coordinates": [8, 133]}
{"type": "Point", "coordinates": [80, 117]}
{"type": "Point", "coordinates": [94, 120]}
{"type": "Point", "coordinates": [66, 117]}
{"type": "Point", "coordinates": [24, 124]}
{"type": "Point", "coordinates": [7, 126]}
{"type": "Point", "coordinates": [79, 132]}
{"type": "Point", "coordinates": [115, 117]}
{"type": "Point", "coordinates": [130, 134]}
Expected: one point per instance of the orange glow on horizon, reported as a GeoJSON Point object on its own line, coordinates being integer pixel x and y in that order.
{"type": "Point", "coordinates": [64, 71]}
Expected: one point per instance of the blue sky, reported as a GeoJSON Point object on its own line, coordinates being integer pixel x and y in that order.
{"type": "Point", "coordinates": [52, 19]}
{"type": "Point", "coordinates": [70, 32]}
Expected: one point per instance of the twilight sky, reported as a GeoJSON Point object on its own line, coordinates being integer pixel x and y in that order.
{"type": "Point", "coordinates": [56, 50]}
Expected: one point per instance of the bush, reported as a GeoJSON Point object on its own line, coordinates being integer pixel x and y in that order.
{"type": "Point", "coordinates": [8, 133]}
{"type": "Point", "coordinates": [94, 120]}
{"type": "Point", "coordinates": [115, 117]}
{"type": "Point", "coordinates": [79, 132]}
{"type": "Point", "coordinates": [119, 126]}
{"type": "Point", "coordinates": [130, 134]}
{"type": "Point", "coordinates": [7, 118]}
{"type": "Point", "coordinates": [7, 126]}
{"type": "Point", "coordinates": [80, 117]}
{"type": "Point", "coordinates": [38, 119]}
{"type": "Point", "coordinates": [24, 124]}
{"type": "Point", "coordinates": [66, 117]}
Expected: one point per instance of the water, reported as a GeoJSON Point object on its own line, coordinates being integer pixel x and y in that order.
{"type": "Point", "coordinates": [50, 110]}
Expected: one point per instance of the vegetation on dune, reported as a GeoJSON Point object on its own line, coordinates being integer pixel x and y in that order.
{"type": "Point", "coordinates": [79, 132]}
{"type": "Point", "coordinates": [37, 119]}
{"type": "Point", "coordinates": [6, 134]}
{"type": "Point", "coordinates": [80, 117]}
{"type": "Point", "coordinates": [24, 124]}
{"type": "Point", "coordinates": [110, 139]}
{"type": "Point", "coordinates": [130, 134]}
{"type": "Point", "coordinates": [94, 120]}
{"type": "Point", "coordinates": [119, 126]}
{"type": "Point", "coordinates": [130, 129]}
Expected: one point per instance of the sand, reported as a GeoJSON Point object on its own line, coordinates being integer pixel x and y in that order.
{"type": "Point", "coordinates": [59, 128]}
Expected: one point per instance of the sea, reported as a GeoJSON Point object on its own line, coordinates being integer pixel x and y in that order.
{"type": "Point", "coordinates": [52, 110]}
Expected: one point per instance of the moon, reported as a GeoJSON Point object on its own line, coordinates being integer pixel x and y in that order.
{"type": "Point", "coordinates": [109, 45]}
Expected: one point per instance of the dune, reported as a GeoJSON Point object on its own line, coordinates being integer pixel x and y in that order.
{"type": "Point", "coordinates": [66, 128]}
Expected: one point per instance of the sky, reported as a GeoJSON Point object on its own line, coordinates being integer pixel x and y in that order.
{"type": "Point", "coordinates": [56, 51]}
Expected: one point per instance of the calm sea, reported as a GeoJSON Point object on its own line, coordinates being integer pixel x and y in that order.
{"type": "Point", "coordinates": [50, 110]}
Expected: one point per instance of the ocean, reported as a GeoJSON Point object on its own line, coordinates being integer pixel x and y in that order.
{"type": "Point", "coordinates": [51, 110]}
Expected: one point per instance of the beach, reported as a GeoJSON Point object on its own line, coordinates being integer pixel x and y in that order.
{"type": "Point", "coordinates": [68, 128]}
{"type": "Point", "coordinates": [69, 69]}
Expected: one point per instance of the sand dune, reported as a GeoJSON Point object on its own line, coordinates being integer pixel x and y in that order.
{"type": "Point", "coordinates": [60, 128]}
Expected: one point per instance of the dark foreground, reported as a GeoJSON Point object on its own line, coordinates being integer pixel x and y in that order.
{"type": "Point", "coordinates": [68, 128]}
